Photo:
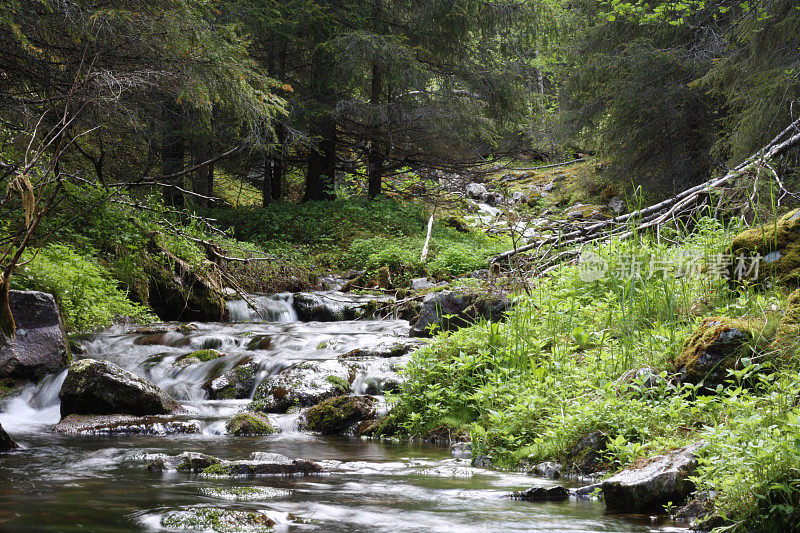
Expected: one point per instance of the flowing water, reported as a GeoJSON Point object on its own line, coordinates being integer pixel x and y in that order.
{"type": "Point", "coordinates": [63, 482]}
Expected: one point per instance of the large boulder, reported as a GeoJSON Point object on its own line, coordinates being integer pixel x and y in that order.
{"type": "Point", "coordinates": [715, 347]}
{"type": "Point", "coordinates": [6, 442]}
{"type": "Point", "coordinates": [541, 494]}
{"type": "Point", "coordinates": [302, 385]}
{"type": "Point", "coordinates": [777, 247]}
{"type": "Point", "coordinates": [103, 388]}
{"type": "Point", "coordinates": [40, 346]}
{"type": "Point", "coordinates": [451, 310]}
{"type": "Point", "coordinates": [337, 415]}
{"type": "Point", "coordinates": [664, 479]}
{"type": "Point", "coordinates": [476, 190]}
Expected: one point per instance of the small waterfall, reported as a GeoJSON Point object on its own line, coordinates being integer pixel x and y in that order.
{"type": "Point", "coordinates": [263, 308]}
{"type": "Point", "coordinates": [38, 405]}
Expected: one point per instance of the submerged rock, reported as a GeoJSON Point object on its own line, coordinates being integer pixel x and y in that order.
{"type": "Point", "coordinates": [318, 308]}
{"type": "Point", "coordinates": [586, 457]}
{"type": "Point", "coordinates": [126, 425]}
{"type": "Point", "coordinates": [235, 384]}
{"type": "Point", "coordinates": [217, 520]}
{"type": "Point", "coordinates": [244, 494]}
{"type": "Point", "coordinates": [100, 387]}
{"type": "Point", "coordinates": [301, 385]}
{"type": "Point", "coordinates": [185, 462]}
{"type": "Point", "coordinates": [40, 346]}
{"type": "Point", "coordinates": [715, 347]}
{"type": "Point", "coordinates": [264, 464]}
{"type": "Point", "coordinates": [199, 356]}
{"type": "Point", "coordinates": [335, 416]}
{"type": "Point", "coordinates": [249, 423]}
{"type": "Point", "coordinates": [6, 442]}
{"type": "Point", "coordinates": [541, 494]}
{"type": "Point", "coordinates": [664, 479]}
{"type": "Point", "coordinates": [450, 310]}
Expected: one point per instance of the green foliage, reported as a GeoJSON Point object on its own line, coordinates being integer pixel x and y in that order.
{"type": "Point", "coordinates": [575, 357]}
{"type": "Point", "coordinates": [88, 298]}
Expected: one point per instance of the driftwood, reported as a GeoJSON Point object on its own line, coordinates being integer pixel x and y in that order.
{"type": "Point", "coordinates": [658, 214]}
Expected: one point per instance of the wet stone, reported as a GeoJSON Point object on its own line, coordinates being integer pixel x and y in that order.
{"type": "Point", "coordinates": [541, 494]}
{"type": "Point", "coordinates": [217, 520]}
{"type": "Point", "coordinates": [126, 425]}
{"type": "Point", "coordinates": [185, 462]}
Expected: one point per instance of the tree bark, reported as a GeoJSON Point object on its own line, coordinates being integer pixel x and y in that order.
{"type": "Point", "coordinates": [321, 170]}
{"type": "Point", "coordinates": [203, 177]}
{"type": "Point", "coordinates": [172, 153]}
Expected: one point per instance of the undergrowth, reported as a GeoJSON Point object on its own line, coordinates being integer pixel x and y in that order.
{"type": "Point", "coordinates": [577, 356]}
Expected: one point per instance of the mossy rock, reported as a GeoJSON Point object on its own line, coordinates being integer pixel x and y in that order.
{"type": "Point", "coordinates": [341, 384]}
{"type": "Point", "coordinates": [787, 336]}
{"type": "Point", "coordinates": [200, 356]}
{"type": "Point", "coordinates": [216, 519]}
{"type": "Point", "coordinates": [778, 244]}
{"type": "Point", "coordinates": [235, 384]}
{"type": "Point", "coordinates": [336, 415]}
{"type": "Point", "coordinates": [716, 346]}
{"type": "Point", "coordinates": [457, 223]}
{"type": "Point", "coordinates": [250, 423]}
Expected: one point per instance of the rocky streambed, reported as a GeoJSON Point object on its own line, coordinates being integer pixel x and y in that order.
{"type": "Point", "coordinates": [254, 425]}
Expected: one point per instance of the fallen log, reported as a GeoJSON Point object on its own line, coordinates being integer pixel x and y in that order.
{"type": "Point", "coordinates": [657, 214]}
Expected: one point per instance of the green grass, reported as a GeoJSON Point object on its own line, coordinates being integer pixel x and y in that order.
{"type": "Point", "coordinates": [529, 388]}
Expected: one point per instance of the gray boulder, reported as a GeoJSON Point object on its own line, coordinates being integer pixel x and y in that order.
{"type": "Point", "coordinates": [665, 479]}
{"type": "Point", "coordinates": [40, 346]}
{"type": "Point", "coordinates": [451, 310]}
{"type": "Point", "coordinates": [6, 442]}
{"type": "Point", "coordinates": [475, 190]}
{"type": "Point", "coordinates": [264, 464]}
{"type": "Point", "coordinates": [103, 388]}
{"type": "Point", "coordinates": [421, 284]}
{"type": "Point", "coordinates": [548, 469]}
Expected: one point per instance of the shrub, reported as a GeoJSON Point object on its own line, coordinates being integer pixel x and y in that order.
{"type": "Point", "coordinates": [87, 295]}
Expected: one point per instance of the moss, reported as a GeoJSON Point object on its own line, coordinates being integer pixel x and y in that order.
{"type": "Point", "coordinates": [457, 223]}
{"type": "Point", "coordinates": [716, 346]}
{"type": "Point", "coordinates": [214, 519]}
{"type": "Point", "coordinates": [216, 470]}
{"type": "Point", "coordinates": [787, 335]}
{"type": "Point", "coordinates": [200, 356]}
{"type": "Point", "coordinates": [250, 423]}
{"type": "Point", "coordinates": [244, 493]}
{"type": "Point", "coordinates": [779, 245]}
{"type": "Point", "coordinates": [10, 387]}
{"type": "Point", "coordinates": [341, 384]}
{"type": "Point", "coordinates": [384, 277]}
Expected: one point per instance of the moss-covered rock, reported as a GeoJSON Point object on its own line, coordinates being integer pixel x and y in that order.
{"type": "Point", "coordinates": [302, 385]}
{"type": "Point", "coordinates": [249, 423]}
{"type": "Point", "coordinates": [235, 384]}
{"type": "Point", "coordinates": [787, 336]}
{"type": "Point", "coordinates": [185, 462]}
{"type": "Point", "coordinates": [102, 388]}
{"type": "Point", "coordinates": [244, 494]}
{"type": "Point", "coordinates": [586, 456]}
{"type": "Point", "coordinates": [216, 519]}
{"type": "Point", "coordinates": [716, 346]}
{"type": "Point", "coordinates": [337, 415]}
{"type": "Point", "coordinates": [199, 356]}
{"type": "Point", "coordinates": [778, 244]}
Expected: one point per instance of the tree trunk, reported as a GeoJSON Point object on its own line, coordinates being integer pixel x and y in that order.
{"type": "Point", "coordinates": [203, 178]}
{"type": "Point", "coordinates": [274, 168]}
{"type": "Point", "coordinates": [7, 325]}
{"type": "Point", "coordinates": [321, 171]}
{"type": "Point", "coordinates": [172, 154]}
{"type": "Point", "coordinates": [375, 163]}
